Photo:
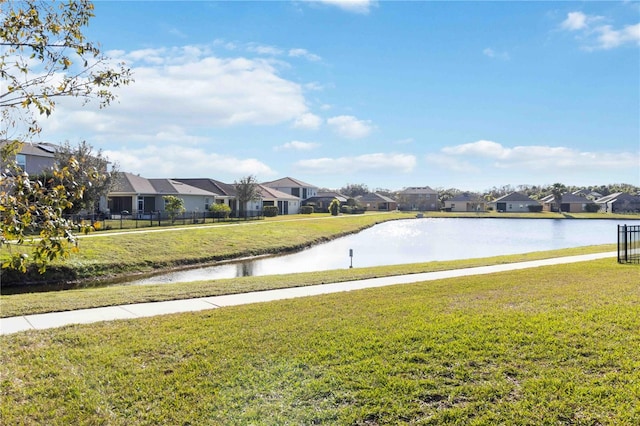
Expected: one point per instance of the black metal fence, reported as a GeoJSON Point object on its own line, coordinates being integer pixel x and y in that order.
{"type": "Point", "coordinates": [134, 220]}
{"type": "Point", "coordinates": [628, 244]}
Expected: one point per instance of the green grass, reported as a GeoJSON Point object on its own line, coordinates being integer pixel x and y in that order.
{"type": "Point", "coordinates": [549, 345]}
{"type": "Point", "coordinates": [35, 303]}
{"type": "Point", "coordinates": [109, 255]}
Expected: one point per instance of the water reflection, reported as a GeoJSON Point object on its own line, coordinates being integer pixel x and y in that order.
{"type": "Point", "coordinates": [418, 240]}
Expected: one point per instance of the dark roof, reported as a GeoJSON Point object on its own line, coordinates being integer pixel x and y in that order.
{"type": "Point", "coordinates": [374, 197]}
{"type": "Point", "coordinates": [567, 198]}
{"type": "Point", "coordinates": [618, 196]}
{"type": "Point", "coordinates": [129, 183]}
{"type": "Point", "coordinates": [467, 197]}
{"type": "Point", "coordinates": [515, 197]}
{"type": "Point", "coordinates": [327, 196]}
{"type": "Point", "coordinates": [169, 186]}
{"type": "Point", "coordinates": [37, 149]}
{"type": "Point", "coordinates": [273, 194]}
{"type": "Point", "coordinates": [210, 185]}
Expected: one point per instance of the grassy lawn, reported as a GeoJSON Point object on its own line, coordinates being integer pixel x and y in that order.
{"type": "Point", "coordinates": [34, 303]}
{"type": "Point", "coordinates": [111, 254]}
{"type": "Point", "coordinates": [549, 345]}
{"type": "Point", "coordinates": [116, 254]}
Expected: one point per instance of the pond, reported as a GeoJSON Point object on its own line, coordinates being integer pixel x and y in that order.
{"type": "Point", "coordinates": [416, 241]}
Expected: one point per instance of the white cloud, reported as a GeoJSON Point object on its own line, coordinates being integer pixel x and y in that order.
{"type": "Point", "coordinates": [608, 38]}
{"type": "Point", "coordinates": [600, 37]}
{"type": "Point", "coordinates": [154, 161]}
{"type": "Point", "coordinates": [314, 86]}
{"type": "Point", "coordinates": [480, 148]}
{"type": "Point", "coordinates": [307, 121]}
{"type": "Point", "coordinates": [303, 53]}
{"type": "Point", "coordinates": [191, 89]}
{"type": "Point", "coordinates": [575, 21]}
{"type": "Point", "coordinates": [355, 6]}
{"type": "Point", "coordinates": [264, 50]}
{"type": "Point", "coordinates": [378, 162]}
{"type": "Point", "coordinates": [297, 146]}
{"type": "Point", "coordinates": [350, 127]}
{"type": "Point", "coordinates": [532, 157]}
{"type": "Point", "coordinates": [490, 53]}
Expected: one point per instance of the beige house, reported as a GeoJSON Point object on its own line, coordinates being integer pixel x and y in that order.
{"type": "Point", "coordinates": [376, 202]}
{"type": "Point", "coordinates": [418, 198]}
{"type": "Point", "coordinates": [516, 202]}
{"type": "Point", "coordinates": [570, 203]}
{"type": "Point", "coordinates": [465, 203]}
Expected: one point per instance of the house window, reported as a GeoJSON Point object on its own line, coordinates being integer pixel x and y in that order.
{"type": "Point", "coordinates": [428, 196]}
{"type": "Point", "coordinates": [295, 191]}
{"type": "Point", "coordinates": [304, 193]}
{"type": "Point", "coordinates": [453, 206]}
{"type": "Point", "coordinates": [21, 159]}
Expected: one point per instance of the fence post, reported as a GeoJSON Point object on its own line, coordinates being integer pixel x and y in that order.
{"type": "Point", "coordinates": [625, 243]}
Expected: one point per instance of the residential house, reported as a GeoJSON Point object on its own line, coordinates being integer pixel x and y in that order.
{"type": "Point", "coordinates": [294, 187]}
{"type": "Point", "coordinates": [465, 202]}
{"type": "Point", "coordinates": [226, 193]}
{"type": "Point", "coordinates": [35, 158]}
{"type": "Point", "coordinates": [516, 202]}
{"type": "Point", "coordinates": [418, 198]}
{"type": "Point", "coordinates": [619, 202]}
{"type": "Point", "coordinates": [376, 202]}
{"type": "Point", "coordinates": [322, 200]}
{"type": "Point", "coordinates": [286, 203]}
{"type": "Point", "coordinates": [592, 195]}
{"type": "Point", "coordinates": [140, 196]}
{"type": "Point", "coordinates": [570, 203]}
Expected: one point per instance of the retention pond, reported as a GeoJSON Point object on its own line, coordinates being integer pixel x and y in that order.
{"type": "Point", "coordinates": [416, 241]}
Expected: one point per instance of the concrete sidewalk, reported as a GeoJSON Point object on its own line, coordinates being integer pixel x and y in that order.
{"type": "Point", "coordinates": [140, 310]}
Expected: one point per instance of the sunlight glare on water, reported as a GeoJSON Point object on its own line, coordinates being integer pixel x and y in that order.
{"type": "Point", "coordinates": [416, 241]}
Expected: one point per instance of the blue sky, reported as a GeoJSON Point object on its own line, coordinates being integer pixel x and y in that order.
{"type": "Point", "coordinates": [390, 94]}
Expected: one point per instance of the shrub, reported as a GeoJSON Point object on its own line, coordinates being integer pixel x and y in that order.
{"type": "Point", "coordinates": [220, 210]}
{"type": "Point", "coordinates": [306, 209]}
{"type": "Point", "coordinates": [346, 209]}
{"type": "Point", "coordinates": [535, 209]}
{"type": "Point", "coordinates": [270, 211]}
{"type": "Point", "coordinates": [334, 207]}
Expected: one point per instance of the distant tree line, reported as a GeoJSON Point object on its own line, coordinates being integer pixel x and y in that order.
{"type": "Point", "coordinates": [536, 192]}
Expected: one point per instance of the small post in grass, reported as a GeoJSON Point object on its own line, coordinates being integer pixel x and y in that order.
{"type": "Point", "coordinates": [351, 258]}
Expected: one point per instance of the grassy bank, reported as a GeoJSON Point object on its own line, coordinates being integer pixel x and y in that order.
{"type": "Point", "coordinates": [551, 345]}
{"type": "Point", "coordinates": [114, 254]}
{"type": "Point", "coordinates": [36, 303]}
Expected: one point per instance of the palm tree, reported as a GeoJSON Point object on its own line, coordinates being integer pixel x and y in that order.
{"type": "Point", "coordinates": [557, 190]}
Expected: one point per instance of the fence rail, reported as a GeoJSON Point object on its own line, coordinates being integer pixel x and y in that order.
{"type": "Point", "coordinates": [133, 220]}
{"type": "Point", "coordinates": [628, 244]}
